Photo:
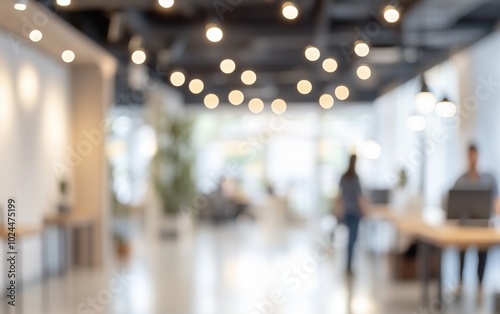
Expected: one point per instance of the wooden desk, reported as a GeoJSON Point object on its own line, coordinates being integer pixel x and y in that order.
{"type": "Point", "coordinates": [436, 238]}
{"type": "Point", "coordinates": [20, 231]}
{"type": "Point", "coordinates": [459, 236]}
{"type": "Point", "coordinates": [407, 223]}
{"type": "Point", "coordinates": [72, 220]}
{"type": "Point", "coordinates": [67, 225]}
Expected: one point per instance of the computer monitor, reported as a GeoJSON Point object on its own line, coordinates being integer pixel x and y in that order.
{"type": "Point", "coordinates": [470, 205]}
{"type": "Point", "coordinates": [379, 196]}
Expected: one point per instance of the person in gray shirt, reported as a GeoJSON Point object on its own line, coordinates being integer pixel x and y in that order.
{"type": "Point", "coordinates": [473, 179]}
{"type": "Point", "coordinates": [351, 206]}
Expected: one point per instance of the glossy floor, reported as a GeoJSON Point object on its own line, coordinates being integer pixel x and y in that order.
{"type": "Point", "coordinates": [235, 269]}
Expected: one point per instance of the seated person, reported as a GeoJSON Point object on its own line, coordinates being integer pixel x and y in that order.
{"type": "Point", "coordinates": [474, 179]}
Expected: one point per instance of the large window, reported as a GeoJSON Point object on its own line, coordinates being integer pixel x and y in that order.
{"type": "Point", "coordinates": [302, 154]}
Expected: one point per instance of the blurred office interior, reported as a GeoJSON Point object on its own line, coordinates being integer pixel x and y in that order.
{"type": "Point", "coordinates": [189, 156]}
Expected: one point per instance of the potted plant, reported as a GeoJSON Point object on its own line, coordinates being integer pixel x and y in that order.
{"type": "Point", "coordinates": [400, 195]}
{"type": "Point", "coordinates": [121, 223]}
{"type": "Point", "coordinates": [121, 227]}
{"type": "Point", "coordinates": [172, 171]}
{"type": "Point", "coordinates": [63, 206]}
{"type": "Point", "coordinates": [122, 246]}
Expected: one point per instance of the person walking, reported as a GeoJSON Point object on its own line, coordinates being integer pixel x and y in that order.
{"type": "Point", "coordinates": [351, 207]}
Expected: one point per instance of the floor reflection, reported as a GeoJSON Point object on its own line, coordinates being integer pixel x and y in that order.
{"type": "Point", "coordinates": [230, 269]}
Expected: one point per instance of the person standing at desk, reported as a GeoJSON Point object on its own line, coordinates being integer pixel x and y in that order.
{"type": "Point", "coordinates": [351, 207]}
{"type": "Point", "coordinates": [474, 179]}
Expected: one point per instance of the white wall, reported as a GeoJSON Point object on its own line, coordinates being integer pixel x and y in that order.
{"type": "Point", "coordinates": [34, 124]}
{"type": "Point", "coordinates": [482, 101]}
{"type": "Point", "coordinates": [464, 80]}
{"type": "Point", "coordinates": [399, 145]}
{"type": "Point", "coordinates": [33, 129]}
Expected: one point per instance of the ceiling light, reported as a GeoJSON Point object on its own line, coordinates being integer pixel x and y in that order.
{"type": "Point", "coordinates": [326, 101]}
{"type": "Point", "coordinates": [391, 14]}
{"type": "Point", "coordinates": [304, 87]}
{"type": "Point", "coordinates": [214, 32]}
{"type": "Point", "coordinates": [248, 77]}
{"type": "Point", "coordinates": [63, 3]}
{"type": "Point", "coordinates": [446, 108]}
{"type": "Point", "coordinates": [177, 78]}
{"type": "Point", "coordinates": [342, 92]}
{"type": "Point", "coordinates": [364, 72]}
{"type": "Point", "coordinates": [425, 101]}
{"type": "Point", "coordinates": [416, 123]}
{"type": "Point", "coordinates": [35, 35]}
{"type": "Point", "coordinates": [139, 56]}
{"type": "Point", "coordinates": [20, 5]}
{"type": "Point", "coordinates": [68, 56]}
{"type": "Point", "coordinates": [330, 65]}
{"type": "Point", "coordinates": [372, 149]}
{"type": "Point", "coordinates": [312, 53]}
{"type": "Point", "coordinates": [166, 3]}
{"type": "Point", "coordinates": [278, 106]}
{"type": "Point", "coordinates": [256, 105]}
{"type": "Point", "coordinates": [196, 86]}
{"type": "Point", "coordinates": [361, 48]}
{"type": "Point", "coordinates": [289, 10]}
{"type": "Point", "coordinates": [227, 66]}
{"type": "Point", "coordinates": [211, 101]}
{"type": "Point", "coordinates": [236, 97]}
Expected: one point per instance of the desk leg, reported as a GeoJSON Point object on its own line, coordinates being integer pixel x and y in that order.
{"type": "Point", "coordinates": [4, 258]}
{"type": "Point", "coordinates": [62, 250]}
{"type": "Point", "coordinates": [438, 304]}
{"type": "Point", "coordinates": [439, 254]}
{"type": "Point", "coordinates": [423, 268]}
{"type": "Point", "coordinates": [425, 258]}
{"type": "Point", "coordinates": [45, 273]}
{"type": "Point", "coordinates": [19, 276]}
{"type": "Point", "coordinates": [90, 239]}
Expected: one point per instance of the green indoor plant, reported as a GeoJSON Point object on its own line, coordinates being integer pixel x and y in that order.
{"type": "Point", "coordinates": [172, 169]}
{"type": "Point", "coordinates": [400, 193]}
{"type": "Point", "coordinates": [402, 178]}
{"type": "Point", "coordinates": [63, 205]}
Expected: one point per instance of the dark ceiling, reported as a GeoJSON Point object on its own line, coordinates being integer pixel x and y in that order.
{"type": "Point", "coordinates": [257, 37]}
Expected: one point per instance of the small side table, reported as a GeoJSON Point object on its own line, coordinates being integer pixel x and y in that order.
{"type": "Point", "coordinates": [67, 224]}
{"type": "Point", "coordinates": [496, 301]}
